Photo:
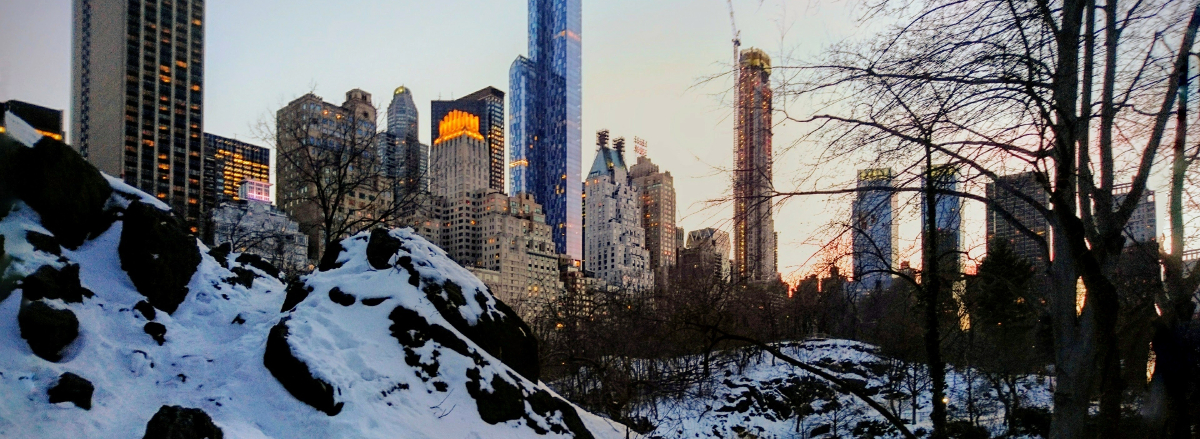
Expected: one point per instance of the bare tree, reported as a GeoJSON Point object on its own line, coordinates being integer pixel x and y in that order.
{"type": "Point", "coordinates": [331, 174]}
{"type": "Point", "coordinates": [999, 83]}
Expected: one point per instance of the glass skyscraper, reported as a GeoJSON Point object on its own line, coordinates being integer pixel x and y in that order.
{"type": "Point", "coordinates": [546, 116]}
{"type": "Point", "coordinates": [948, 223]}
{"type": "Point", "coordinates": [874, 235]}
{"type": "Point", "coordinates": [405, 160]}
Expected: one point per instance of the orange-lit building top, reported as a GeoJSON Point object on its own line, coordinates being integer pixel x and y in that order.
{"type": "Point", "coordinates": [457, 124]}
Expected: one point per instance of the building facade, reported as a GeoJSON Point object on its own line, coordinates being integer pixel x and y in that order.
{"type": "Point", "coordinates": [947, 219]}
{"type": "Point", "coordinates": [487, 105]}
{"type": "Point", "coordinates": [316, 138]}
{"type": "Point", "coordinates": [705, 257]}
{"type": "Point", "coordinates": [404, 158]}
{"type": "Point", "coordinates": [1021, 197]}
{"type": "Point", "coordinates": [754, 246]}
{"type": "Point", "coordinates": [136, 95]}
{"type": "Point", "coordinates": [459, 159]}
{"type": "Point", "coordinates": [546, 119]}
{"type": "Point", "coordinates": [229, 162]}
{"type": "Point", "coordinates": [503, 240]}
{"type": "Point", "coordinates": [1142, 226]}
{"type": "Point", "coordinates": [249, 224]}
{"type": "Point", "coordinates": [657, 192]}
{"type": "Point", "coordinates": [874, 229]}
{"type": "Point", "coordinates": [614, 240]}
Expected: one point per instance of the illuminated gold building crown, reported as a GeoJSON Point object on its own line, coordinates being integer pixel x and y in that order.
{"type": "Point", "coordinates": [457, 124]}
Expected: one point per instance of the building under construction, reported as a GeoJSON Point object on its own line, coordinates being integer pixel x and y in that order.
{"type": "Point", "coordinates": [754, 246]}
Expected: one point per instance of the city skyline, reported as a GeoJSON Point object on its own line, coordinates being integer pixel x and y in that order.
{"type": "Point", "coordinates": [642, 61]}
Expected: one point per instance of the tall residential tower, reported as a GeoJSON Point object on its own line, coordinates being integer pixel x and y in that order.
{"type": "Point", "coordinates": [1016, 201]}
{"type": "Point", "coordinates": [657, 192]}
{"type": "Point", "coordinates": [546, 116]}
{"type": "Point", "coordinates": [404, 158]}
{"type": "Point", "coordinates": [754, 246]}
{"type": "Point", "coordinates": [874, 235]}
{"type": "Point", "coordinates": [615, 242]}
{"type": "Point", "coordinates": [136, 98]}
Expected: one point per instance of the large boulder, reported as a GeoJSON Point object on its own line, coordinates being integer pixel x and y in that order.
{"type": "Point", "coordinates": [505, 336]}
{"type": "Point", "coordinates": [295, 375]}
{"type": "Point", "coordinates": [159, 256]}
{"type": "Point", "coordinates": [73, 389]}
{"type": "Point", "coordinates": [67, 191]}
{"type": "Point", "coordinates": [47, 330]}
{"type": "Point", "coordinates": [53, 283]}
{"type": "Point", "coordinates": [175, 422]}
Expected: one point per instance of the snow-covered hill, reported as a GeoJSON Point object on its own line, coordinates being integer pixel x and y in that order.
{"type": "Point", "coordinates": [114, 323]}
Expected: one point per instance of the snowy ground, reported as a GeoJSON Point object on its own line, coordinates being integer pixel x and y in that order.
{"type": "Point", "coordinates": [213, 355]}
{"type": "Point", "coordinates": [767, 398]}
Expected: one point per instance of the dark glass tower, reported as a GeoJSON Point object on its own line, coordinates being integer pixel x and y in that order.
{"type": "Point", "coordinates": [546, 119]}
{"type": "Point", "coordinates": [948, 224]}
{"type": "Point", "coordinates": [874, 238]}
{"type": "Point", "coordinates": [488, 105]}
{"type": "Point", "coordinates": [405, 160]}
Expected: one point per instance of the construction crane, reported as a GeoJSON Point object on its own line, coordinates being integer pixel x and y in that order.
{"type": "Point", "coordinates": [737, 35]}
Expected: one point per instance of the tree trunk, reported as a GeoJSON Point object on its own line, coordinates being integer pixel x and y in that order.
{"type": "Point", "coordinates": [931, 281]}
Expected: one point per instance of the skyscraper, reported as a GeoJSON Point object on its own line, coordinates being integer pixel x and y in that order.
{"type": "Point", "coordinates": [487, 105]}
{"type": "Point", "coordinates": [227, 163]}
{"type": "Point", "coordinates": [753, 225]}
{"type": "Point", "coordinates": [657, 193]}
{"type": "Point", "coordinates": [404, 158]}
{"type": "Point", "coordinates": [615, 242]}
{"type": "Point", "coordinates": [136, 105]}
{"type": "Point", "coordinates": [546, 119]}
{"type": "Point", "coordinates": [1143, 223]}
{"type": "Point", "coordinates": [706, 256]}
{"type": "Point", "coordinates": [459, 158]}
{"type": "Point", "coordinates": [874, 235]}
{"type": "Point", "coordinates": [1021, 197]}
{"type": "Point", "coordinates": [948, 216]}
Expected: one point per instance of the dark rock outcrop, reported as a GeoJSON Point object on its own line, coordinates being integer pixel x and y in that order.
{"type": "Point", "coordinates": [296, 292]}
{"type": "Point", "coordinates": [47, 330]}
{"type": "Point", "coordinates": [158, 254]}
{"type": "Point", "coordinates": [258, 262]}
{"type": "Point", "coordinates": [221, 253]}
{"type": "Point", "coordinates": [74, 389]}
{"type": "Point", "coordinates": [67, 191]}
{"type": "Point", "coordinates": [157, 331]}
{"type": "Point", "coordinates": [380, 249]}
{"type": "Point", "coordinates": [329, 260]}
{"type": "Point", "coordinates": [506, 337]}
{"type": "Point", "coordinates": [506, 402]}
{"type": "Point", "coordinates": [340, 298]}
{"type": "Point", "coordinates": [243, 276]}
{"type": "Point", "coordinates": [52, 283]}
{"type": "Point", "coordinates": [295, 376]}
{"type": "Point", "coordinates": [175, 422]}
{"type": "Point", "coordinates": [43, 242]}
{"type": "Point", "coordinates": [146, 310]}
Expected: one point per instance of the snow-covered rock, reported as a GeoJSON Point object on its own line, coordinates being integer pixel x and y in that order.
{"type": "Point", "coordinates": [393, 339]}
